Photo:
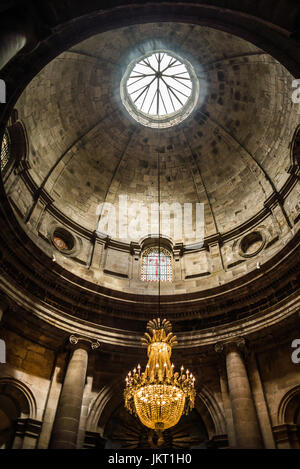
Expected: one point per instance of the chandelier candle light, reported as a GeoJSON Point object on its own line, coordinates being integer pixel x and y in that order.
{"type": "Point", "coordinates": [158, 396]}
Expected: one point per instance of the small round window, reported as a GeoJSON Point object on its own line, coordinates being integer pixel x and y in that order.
{"type": "Point", "coordinates": [160, 89]}
{"type": "Point", "coordinates": [63, 240]}
{"type": "Point", "coordinates": [252, 244]}
{"type": "Point", "coordinates": [60, 243]}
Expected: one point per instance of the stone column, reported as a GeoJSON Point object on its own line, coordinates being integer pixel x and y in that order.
{"type": "Point", "coordinates": [85, 409]}
{"type": "Point", "coordinates": [227, 407]}
{"type": "Point", "coordinates": [246, 428]}
{"type": "Point", "coordinates": [52, 402]}
{"type": "Point", "coordinates": [66, 424]}
{"type": "Point", "coordinates": [260, 403]}
{"type": "Point", "coordinates": [26, 434]}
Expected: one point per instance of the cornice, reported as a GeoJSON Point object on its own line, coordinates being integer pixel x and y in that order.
{"type": "Point", "coordinates": [266, 324]}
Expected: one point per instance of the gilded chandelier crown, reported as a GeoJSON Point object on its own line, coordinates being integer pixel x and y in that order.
{"type": "Point", "coordinates": [159, 396]}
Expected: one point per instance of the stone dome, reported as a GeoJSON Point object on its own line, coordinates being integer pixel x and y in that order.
{"type": "Point", "coordinates": [75, 301]}
{"type": "Point", "coordinates": [233, 153]}
{"type": "Point", "coordinates": [230, 154]}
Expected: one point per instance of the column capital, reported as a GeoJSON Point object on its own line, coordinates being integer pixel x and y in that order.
{"type": "Point", "coordinates": [86, 342]}
{"type": "Point", "coordinates": [238, 343]}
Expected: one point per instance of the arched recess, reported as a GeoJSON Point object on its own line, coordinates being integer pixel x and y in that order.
{"type": "Point", "coordinates": [287, 432]}
{"type": "Point", "coordinates": [109, 399]}
{"type": "Point", "coordinates": [289, 407]}
{"type": "Point", "coordinates": [210, 412]}
{"type": "Point", "coordinates": [22, 394]}
{"type": "Point", "coordinates": [295, 150]}
{"type": "Point", "coordinates": [17, 146]}
{"type": "Point", "coordinates": [16, 402]}
{"type": "Point", "coordinates": [103, 405]}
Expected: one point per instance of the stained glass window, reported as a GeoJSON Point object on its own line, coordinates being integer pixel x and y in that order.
{"type": "Point", "coordinates": [60, 243]}
{"type": "Point", "coordinates": [156, 265]}
{"type": "Point", "coordinates": [63, 240]}
{"type": "Point", "coordinates": [5, 150]}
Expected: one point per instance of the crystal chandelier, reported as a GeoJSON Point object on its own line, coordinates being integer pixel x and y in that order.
{"type": "Point", "coordinates": [159, 396]}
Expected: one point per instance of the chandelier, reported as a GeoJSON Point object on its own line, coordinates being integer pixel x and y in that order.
{"type": "Point", "coordinates": [159, 396]}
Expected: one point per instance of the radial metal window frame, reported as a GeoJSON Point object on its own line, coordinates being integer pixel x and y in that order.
{"type": "Point", "coordinates": [154, 72]}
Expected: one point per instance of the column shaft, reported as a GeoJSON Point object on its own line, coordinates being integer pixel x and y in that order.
{"type": "Point", "coordinates": [247, 431]}
{"type": "Point", "coordinates": [51, 404]}
{"type": "Point", "coordinates": [260, 403]}
{"type": "Point", "coordinates": [227, 409]}
{"type": "Point", "coordinates": [66, 424]}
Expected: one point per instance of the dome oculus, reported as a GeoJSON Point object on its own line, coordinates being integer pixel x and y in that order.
{"type": "Point", "coordinates": [159, 89]}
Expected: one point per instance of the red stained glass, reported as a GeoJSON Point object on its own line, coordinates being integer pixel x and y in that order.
{"type": "Point", "coordinates": [156, 265]}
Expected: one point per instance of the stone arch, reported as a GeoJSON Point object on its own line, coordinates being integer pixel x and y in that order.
{"type": "Point", "coordinates": [16, 402]}
{"type": "Point", "coordinates": [16, 136]}
{"type": "Point", "coordinates": [288, 406]}
{"type": "Point", "coordinates": [295, 150]}
{"type": "Point", "coordinates": [109, 399]}
{"type": "Point", "coordinates": [21, 394]}
{"type": "Point", "coordinates": [19, 139]}
{"type": "Point", "coordinates": [103, 406]}
{"type": "Point", "coordinates": [210, 412]}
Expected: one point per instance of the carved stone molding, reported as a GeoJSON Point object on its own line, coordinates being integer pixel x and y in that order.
{"type": "Point", "coordinates": [135, 249]}
{"type": "Point", "coordinates": [178, 249]}
{"type": "Point", "coordinates": [219, 347]}
{"type": "Point", "coordinates": [237, 343]}
{"type": "Point", "coordinates": [93, 441]}
{"type": "Point", "coordinates": [93, 344]}
{"type": "Point", "coordinates": [286, 436]}
{"type": "Point", "coordinates": [27, 432]}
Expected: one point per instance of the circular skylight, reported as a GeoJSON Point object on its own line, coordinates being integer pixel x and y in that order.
{"type": "Point", "coordinates": [159, 89]}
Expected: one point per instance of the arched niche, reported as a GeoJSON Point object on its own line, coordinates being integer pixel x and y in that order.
{"type": "Point", "coordinates": [109, 401]}
{"type": "Point", "coordinates": [289, 407]}
{"type": "Point", "coordinates": [287, 432]}
{"type": "Point", "coordinates": [16, 402]}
